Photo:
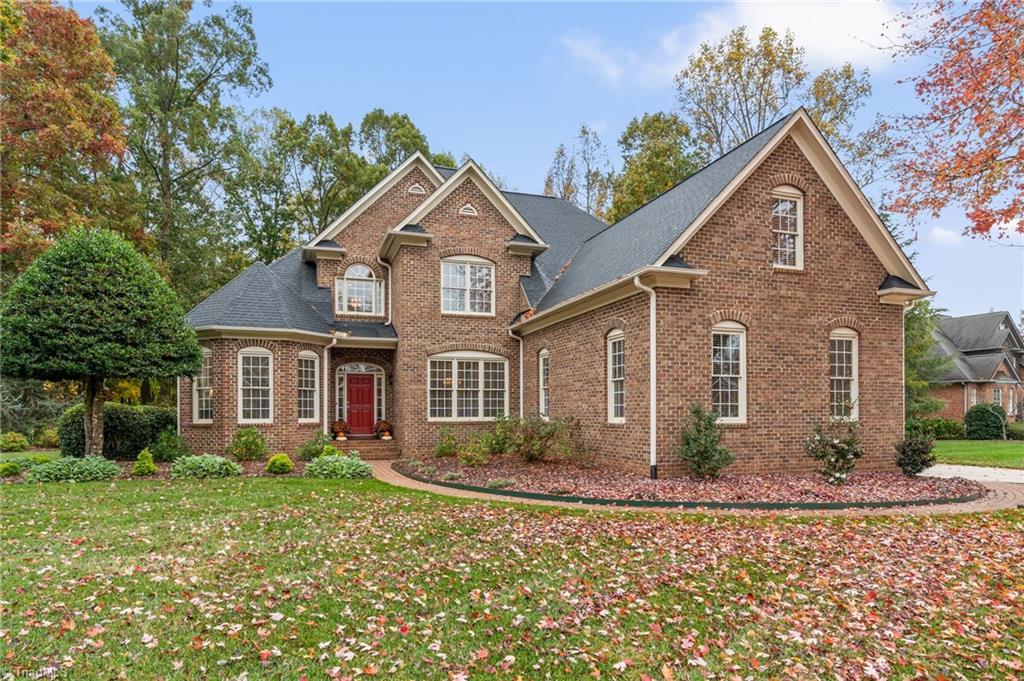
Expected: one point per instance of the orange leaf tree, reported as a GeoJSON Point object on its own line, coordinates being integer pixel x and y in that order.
{"type": "Point", "coordinates": [967, 147]}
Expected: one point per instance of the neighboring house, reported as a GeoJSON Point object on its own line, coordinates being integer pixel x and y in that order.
{"type": "Point", "coordinates": [986, 362]}
{"type": "Point", "coordinates": [763, 286]}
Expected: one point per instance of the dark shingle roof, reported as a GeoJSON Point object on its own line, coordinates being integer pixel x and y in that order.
{"type": "Point", "coordinates": [975, 345]}
{"type": "Point", "coordinates": [641, 237]}
{"type": "Point", "coordinates": [892, 281]}
{"type": "Point", "coordinates": [976, 331]}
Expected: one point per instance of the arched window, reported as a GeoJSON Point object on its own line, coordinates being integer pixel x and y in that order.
{"type": "Point", "coordinates": [543, 369]}
{"type": "Point", "coordinates": [467, 386]}
{"type": "Point", "coordinates": [309, 387]}
{"type": "Point", "coordinates": [729, 372]}
{"type": "Point", "coordinates": [202, 391]}
{"type": "Point", "coordinates": [341, 388]}
{"type": "Point", "coordinates": [359, 292]}
{"type": "Point", "coordinates": [255, 385]}
{"type": "Point", "coordinates": [842, 373]}
{"type": "Point", "coordinates": [615, 344]}
{"type": "Point", "coordinates": [467, 286]}
{"type": "Point", "coordinates": [787, 228]}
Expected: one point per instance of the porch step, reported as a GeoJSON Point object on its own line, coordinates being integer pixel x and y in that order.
{"type": "Point", "coordinates": [371, 449]}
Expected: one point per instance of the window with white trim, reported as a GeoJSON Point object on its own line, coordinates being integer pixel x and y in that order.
{"type": "Point", "coordinates": [467, 286]}
{"type": "Point", "coordinates": [359, 292]}
{"type": "Point", "coordinates": [467, 386]}
{"type": "Point", "coordinates": [787, 228]}
{"type": "Point", "coordinates": [543, 369]}
{"type": "Point", "coordinates": [202, 391]}
{"type": "Point", "coordinates": [341, 388]}
{"type": "Point", "coordinates": [842, 373]}
{"type": "Point", "coordinates": [468, 211]}
{"type": "Point", "coordinates": [997, 396]}
{"type": "Point", "coordinates": [615, 346]}
{"type": "Point", "coordinates": [255, 385]}
{"type": "Point", "coordinates": [974, 395]}
{"type": "Point", "coordinates": [309, 386]}
{"type": "Point", "coordinates": [729, 372]}
{"type": "Point", "coordinates": [415, 188]}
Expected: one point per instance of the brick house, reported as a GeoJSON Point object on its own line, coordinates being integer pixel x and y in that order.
{"type": "Point", "coordinates": [986, 362]}
{"type": "Point", "coordinates": [764, 286]}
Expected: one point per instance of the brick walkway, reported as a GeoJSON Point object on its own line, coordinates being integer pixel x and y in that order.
{"type": "Point", "coordinates": [1000, 496]}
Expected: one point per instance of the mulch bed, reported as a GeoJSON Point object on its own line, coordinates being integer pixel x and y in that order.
{"type": "Point", "coordinates": [572, 480]}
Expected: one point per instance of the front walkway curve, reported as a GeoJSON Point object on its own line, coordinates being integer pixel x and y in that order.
{"type": "Point", "coordinates": [1000, 496]}
{"type": "Point", "coordinates": [979, 473]}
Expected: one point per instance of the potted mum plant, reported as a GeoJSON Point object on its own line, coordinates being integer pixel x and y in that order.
{"type": "Point", "coordinates": [340, 429]}
{"type": "Point", "coordinates": [383, 429]}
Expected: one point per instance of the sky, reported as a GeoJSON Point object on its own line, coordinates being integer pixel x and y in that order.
{"type": "Point", "coordinates": [506, 83]}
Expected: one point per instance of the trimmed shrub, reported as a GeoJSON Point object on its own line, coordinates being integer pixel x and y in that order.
{"type": "Point", "coordinates": [73, 469]}
{"type": "Point", "coordinates": [204, 466]}
{"type": "Point", "coordinates": [280, 464]}
{"type": "Point", "coordinates": [314, 447]}
{"type": "Point", "coordinates": [334, 467]}
{"type": "Point", "coordinates": [476, 453]}
{"type": "Point", "coordinates": [127, 429]}
{"type": "Point", "coordinates": [700, 444]}
{"type": "Point", "coordinates": [248, 444]}
{"type": "Point", "coordinates": [169, 446]}
{"type": "Point", "coordinates": [447, 442]}
{"type": "Point", "coordinates": [985, 422]}
{"type": "Point", "coordinates": [535, 439]}
{"type": "Point", "coordinates": [144, 465]}
{"type": "Point", "coordinates": [914, 454]}
{"type": "Point", "coordinates": [12, 441]}
{"type": "Point", "coordinates": [837, 446]}
{"type": "Point", "coordinates": [8, 469]}
{"type": "Point", "coordinates": [935, 428]}
{"type": "Point", "coordinates": [1015, 431]}
{"type": "Point", "coordinates": [47, 438]}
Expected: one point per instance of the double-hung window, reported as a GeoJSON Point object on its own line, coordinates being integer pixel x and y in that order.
{"type": "Point", "coordinates": [467, 286]}
{"type": "Point", "coordinates": [255, 386]}
{"type": "Point", "coordinates": [729, 372]}
{"type": "Point", "coordinates": [359, 292]}
{"type": "Point", "coordinates": [997, 396]}
{"type": "Point", "coordinates": [787, 228]}
{"type": "Point", "coordinates": [309, 386]}
{"type": "Point", "coordinates": [467, 386]}
{"type": "Point", "coordinates": [616, 372]}
{"type": "Point", "coordinates": [842, 372]}
{"type": "Point", "coordinates": [202, 391]}
{"type": "Point", "coordinates": [543, 368]}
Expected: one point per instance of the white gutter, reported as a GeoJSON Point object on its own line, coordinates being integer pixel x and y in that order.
{"type": "Point", "coordinates": [390, 303]}
{"type": "Point", "coordinates": [520, 339]}
{"type": "Point", "coordinates": [653, 367]}
{"type": "Point", "coordinates": [327, 387]}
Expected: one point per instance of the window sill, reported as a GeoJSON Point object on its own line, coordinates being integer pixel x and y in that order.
{"type": "Point", "coordinates": [338, 313]}
{"type": "Point", "coordinates": [733, 424]}
{"type": "Point", "coordinates": [488, 419]}
{"type": "Point", "coordinates": [787, 270]}
{"type": "Point", "coordinates": [309, 421]}
{"type": "Point", "coordinates": [202, 423]}
{"type": "Point", "coordinates": [255, 423]}
{"type": "Point", "coordinates": [616, 423]}
{"type": "Point", "coordinates": [467, 314]}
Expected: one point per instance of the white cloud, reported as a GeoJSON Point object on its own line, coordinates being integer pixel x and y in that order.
{"type": "Point", "coordinates": [831, 33]}
{"type": "Point", "coordinates": [943, 236]}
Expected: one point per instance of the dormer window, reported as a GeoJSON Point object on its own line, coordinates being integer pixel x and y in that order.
{"type": "Point", "coordinates": [468, 211]}
{"type": "Point", "coordinates": [359, 292]}
{"type": "Point", "coordinates": [416, 188]}
{"type": "Point", "coordinates": [787, 228]}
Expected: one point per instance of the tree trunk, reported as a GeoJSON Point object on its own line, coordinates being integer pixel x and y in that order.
{"type": "Point", "coordinates": [145, 391]}
{"type": "Point", "coordinates": [94, 416]}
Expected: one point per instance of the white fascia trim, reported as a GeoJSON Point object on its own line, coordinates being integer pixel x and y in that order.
{"type": "Point", "coordinates": [905, 269]}
{"type": "Point", "coordinates": [260, 332]}
{"type": "Point", "coordinates": [489, 190]}
{"type": "Point", "coordinates": [367, 199]}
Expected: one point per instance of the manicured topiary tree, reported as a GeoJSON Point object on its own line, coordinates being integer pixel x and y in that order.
{"type": "Point", "coordinates": [92, 307]}
{"type": "Point", "coordinates": [985, 422]}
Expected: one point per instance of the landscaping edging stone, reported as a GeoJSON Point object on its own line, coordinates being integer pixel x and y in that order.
{"type": "Point", "coordinates": [711, 505]}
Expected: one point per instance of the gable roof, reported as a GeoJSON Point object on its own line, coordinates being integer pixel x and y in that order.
{"type": "Point", "coordinates": [981, 331]}
{"type": "Point", "coordinates": [975, 345]}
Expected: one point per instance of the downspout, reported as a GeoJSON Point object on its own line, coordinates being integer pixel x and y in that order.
{"type": "Point", "coordinates": [520, 339]}
{"type": "Point", "coordinates": [653, 367]}
{"type": "Point", "coordinates": [388, 268]}
{"type": "Point", "coordinates": [177, 400]}
{"type": "Point", "coordinates": [327, 387]}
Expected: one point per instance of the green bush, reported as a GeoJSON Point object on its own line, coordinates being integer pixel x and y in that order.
{"type": "Point", "coordinates": [447, 442]}
{"type": "Point", "coordinates": [169, 446]}
{"type": "Point", "coordinates": [837, 446]}
{"type": "Point", "coordinates": [476, 452]}
{"type": "Point", "coordinates": [204, 466]}
{"type": "Point", "coordinates": [700, 444]}
{"type": "Point", "coordinates": [248, 444]}
{"type": "Point", "coordinates": [144, 465]}
{"type": "Point", "coordinates": [31, 461]}
{"type": "Point", "coordinates": [914, 454]}
{"type": "Point", "coordinates": [47, 439]}
{"type": "Point", "coordinates": [280, 464]}
{"type": "Point", "coordinates": [985, 422]}
{"type": "Point", "coordinates": [8, 469]}
{"type": "Point", "coordinates": [127, 429]}
{"type": "Point", "coordinates": [935, 428]}
{"type": "Point", "coordinates": [334, 467]}
{"type": "Point", "coordinates": [74, 469]}
{"type": "Point", "coordinates": [501, 483]}
{"type": "Point", "coordinates": [314, 447]}
{"type": "Point", "coordinates": [12, 441]}
{"type": "Point", "coordinates": [504, 435]}
{"type": "Point", "coordinates": [1015, 431]}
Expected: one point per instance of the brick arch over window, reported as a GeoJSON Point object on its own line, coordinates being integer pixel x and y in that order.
{"type": "Point", "coordinates": [845, 321]}
{"type": "Point", "coordinates": [792, 179]}
{"type": "Point", "coordinates": [455, 251]}
{"type": "Point", "coordinates": [617, 324]}
{"type": "Point", "coordinates": [358, 260]}
{"type": "Point", "coordinates": [477, 347]}
{"type": "Point", "coordinates": [719, 316]}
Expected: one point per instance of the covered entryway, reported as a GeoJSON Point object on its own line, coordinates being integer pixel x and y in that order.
{"type": "Point", "coordinates": [360, 397]}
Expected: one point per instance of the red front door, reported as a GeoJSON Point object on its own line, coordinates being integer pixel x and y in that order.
{"type": "Point", "coordinates": [359, 397]}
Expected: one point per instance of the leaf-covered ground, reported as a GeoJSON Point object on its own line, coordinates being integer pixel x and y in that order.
{"type": "Point", "coordinates": [270, 578]}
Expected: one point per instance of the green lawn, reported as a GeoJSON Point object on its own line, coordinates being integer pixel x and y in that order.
{"type": "Point", "coordinates": [48, 454]}
{"type": "Point", "coordinates": [1004, 453]}
{"type": "Point", "coordinates": [284, 578]}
